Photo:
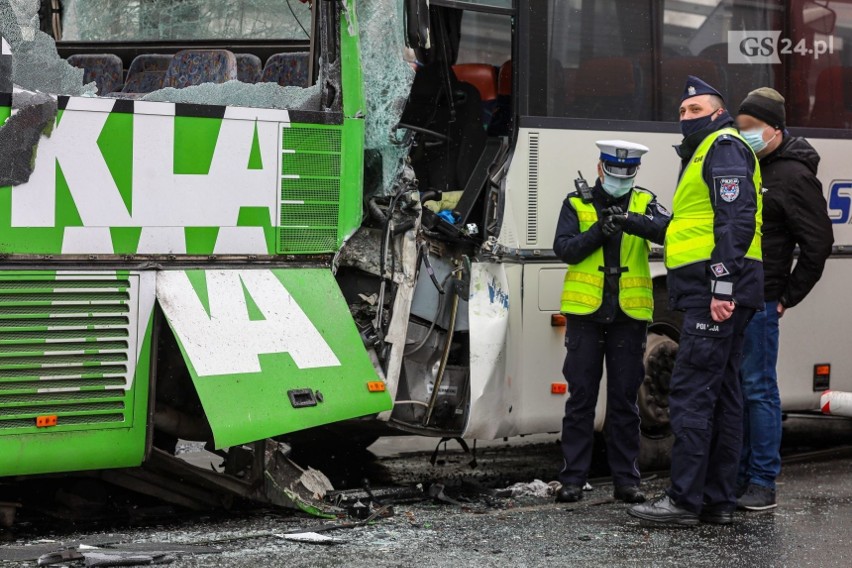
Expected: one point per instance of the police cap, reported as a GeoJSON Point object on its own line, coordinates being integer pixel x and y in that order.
{"type": "Point", "coordinates": [621, 158]}
{"type": "Point", "coordinates": [695, 87]}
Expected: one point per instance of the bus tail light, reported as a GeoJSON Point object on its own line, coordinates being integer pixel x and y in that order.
{"type": "Point", "coordinates": [376, 386]}
{"type": "Point", "coordinates": [558, 388]}
{"type": "Point", "coordinates": [822, 376]}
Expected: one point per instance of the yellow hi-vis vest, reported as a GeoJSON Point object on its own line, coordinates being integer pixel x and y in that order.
{"type": "Point", "coordinates": [690, 238]}
{"type": "Point", "coordinates": [582, 292]}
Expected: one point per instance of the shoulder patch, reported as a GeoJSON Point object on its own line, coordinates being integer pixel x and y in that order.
{"type": "Point", "coordinates": [719, 270]}
{"type": "Point", "coordinates": [729, 188]}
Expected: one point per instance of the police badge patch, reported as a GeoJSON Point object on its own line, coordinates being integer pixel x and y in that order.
{"type": "Point", "coordinates": [729, 189]}
{"type": "Point", "coordinates": [719, 270]}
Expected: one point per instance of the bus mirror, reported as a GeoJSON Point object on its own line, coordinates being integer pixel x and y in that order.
{"type": "Point", "coordinates": [417, 24]}
{"type": "Point", "coordinates": [818, 18]}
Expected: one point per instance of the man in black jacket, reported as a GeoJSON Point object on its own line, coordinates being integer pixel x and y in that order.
{"type": "Point", "coordinates": [794, 214]}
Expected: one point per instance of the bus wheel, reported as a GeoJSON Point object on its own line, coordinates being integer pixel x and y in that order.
{"type": "Point", "coordinates": [657, 439]}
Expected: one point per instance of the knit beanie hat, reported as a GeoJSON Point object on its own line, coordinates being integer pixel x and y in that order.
{"type": "Point", "coordinates": [765, 104]}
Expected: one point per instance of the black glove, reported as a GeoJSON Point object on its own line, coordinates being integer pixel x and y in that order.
{"type": "Point", "coordinates": [615, 214]}
{"type": "Point", "coordinates": [612, 218]}
{"type": "Point", "coordinates": [608, 226]}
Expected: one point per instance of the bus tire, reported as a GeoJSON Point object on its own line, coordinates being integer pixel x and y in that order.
{"type": "Point", "coordinates": [653, 401]}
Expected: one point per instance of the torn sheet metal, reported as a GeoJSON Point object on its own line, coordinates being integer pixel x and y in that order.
{"type": "Point", "coordinates": [288, 485]}
{"type": "Point", "coordinates": [20, 134]}
{"type": "Point", "coordinates": [490, 382]}
{"type": "Point", "coordinates": [270, 351]}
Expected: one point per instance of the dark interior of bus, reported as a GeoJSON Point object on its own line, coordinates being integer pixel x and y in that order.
{"type": "Point", "coordinates": [628, 59]}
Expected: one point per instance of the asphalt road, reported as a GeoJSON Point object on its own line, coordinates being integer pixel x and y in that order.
{"type": "Point", "coordinates": [811, 527]}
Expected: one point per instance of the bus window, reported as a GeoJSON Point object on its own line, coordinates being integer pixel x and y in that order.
{"type": "Point", "coordinates": [486, 38]}
{"type": "Point", "coordinates": [696, 42]}
{"type": "Point", "coordinates": [593, 63]}
{"type": "Point", "coordinates": [188, 20]}
{"type": "Point", "coordinates": [249, 53]}
{"type": "Point", "coordinates": [606, 59]}
{"type": "Point", "coordinates": [820, 93]}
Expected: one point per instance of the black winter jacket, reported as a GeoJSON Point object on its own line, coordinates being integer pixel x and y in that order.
{"type": "Point", "coordinates": [794, 214]}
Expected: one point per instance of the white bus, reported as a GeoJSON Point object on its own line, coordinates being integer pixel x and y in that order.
{"type": "Point", "coordinates": [588, 70]}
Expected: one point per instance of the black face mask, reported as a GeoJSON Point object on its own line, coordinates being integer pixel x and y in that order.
{"type": "Point", "coordinates": [688, 127]}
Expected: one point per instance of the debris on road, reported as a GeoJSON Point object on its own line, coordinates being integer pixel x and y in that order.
{"type": "Point", "coordinates": [535, 488]}
{"type": "Point", "coordinates": [312, 538]}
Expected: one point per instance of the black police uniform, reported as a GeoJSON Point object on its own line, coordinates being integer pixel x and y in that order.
{"type": "Point", "coordinates": [607, 333]}
{"type": "Point", "coordinates": [705, 402]}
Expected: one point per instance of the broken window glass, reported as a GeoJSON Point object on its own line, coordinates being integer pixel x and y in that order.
{"type": "Point", "coordinates": [36, 64]}
{"type": "Point", "coordinates": [185, 20]}
{"type": "Point", "coordinates": [234, 93]}
{"type": "Point", "coordinates": [387, 84]}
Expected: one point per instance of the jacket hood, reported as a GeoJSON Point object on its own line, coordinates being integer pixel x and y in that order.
{"type": "Point", "coordinates": [795, 148]}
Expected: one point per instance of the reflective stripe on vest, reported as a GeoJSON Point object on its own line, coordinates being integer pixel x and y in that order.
{"type": "Point", "coordinates": [582, 291]}
{"type": "Point", "coordinates": [690, 237]}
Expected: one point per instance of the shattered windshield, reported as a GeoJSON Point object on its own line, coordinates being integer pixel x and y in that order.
{"type": "Point", "coordinates": [184, 20]}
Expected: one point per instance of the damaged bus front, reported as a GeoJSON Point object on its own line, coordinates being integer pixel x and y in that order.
{"type": "Point", "coordinates": [169, 214]}
{"type": "Point", "coordinates": [233, 222]}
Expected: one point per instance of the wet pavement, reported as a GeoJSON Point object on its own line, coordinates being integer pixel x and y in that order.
{"type": "Point", "coordinates": [811, 527]}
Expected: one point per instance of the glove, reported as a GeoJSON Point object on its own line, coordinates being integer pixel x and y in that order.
{"type": "Point", "coordinates": [608, 226]}
{"type": "Point", "coordinates": [615, 214]}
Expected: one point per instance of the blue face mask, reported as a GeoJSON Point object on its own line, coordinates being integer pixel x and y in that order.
{"type": "Point", "coordinates": [754, 138]}
{"type": "Point", "coordinates": [693, 125]}
{"type": "Point", "coordinates": [616, 187]}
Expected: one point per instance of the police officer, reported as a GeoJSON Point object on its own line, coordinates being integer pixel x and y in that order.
{"type": "Point", "coordinates": [713, 255]}
{"type": "Point", "coordinates": [608, 300]}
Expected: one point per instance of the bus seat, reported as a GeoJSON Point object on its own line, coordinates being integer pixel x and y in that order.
{"type": "Point", "coordinates": [105, 69]}
{"type": "Point", "coordinates": [146, 73]}
{"type": "Point", "coordinates": [608, 87]}
{"type": "Point", "coordinates": [287, 69]}
{"type": "Point", "coordinates": [191, 67]}
{"type": "Point", "coordinates": [484, 78]}
{"type": "Point", "coordinates": [833, 100]}
{"type": "Point", "coordinates": [501, 118]}
{"type": "Point", "coordinates": [480, 75]}
{"type": "Point", "coordinates": [504, 80]}
{"type": "Point", "coordinates": [249, 67]}
{"type": "Point", "coordinates": [674, 72]}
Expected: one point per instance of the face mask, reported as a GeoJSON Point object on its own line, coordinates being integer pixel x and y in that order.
{"type": "Point", "coordinates": [616, 187]}
{"type": "Point", "coordinates": [691, 126]}
{"type": "Point", "coordinates": [754, 138]}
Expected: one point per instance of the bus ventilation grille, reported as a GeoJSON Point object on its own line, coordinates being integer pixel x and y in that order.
{"type": "Point", "coordinates": [532, 188]}
{"type": "Point", "coordinates": [66, 353]}
{"type": "Point", "coordinates": [310, 189]}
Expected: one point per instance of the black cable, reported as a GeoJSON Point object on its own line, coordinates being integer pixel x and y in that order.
{"type": "Point", "coordinates": [295, 17]}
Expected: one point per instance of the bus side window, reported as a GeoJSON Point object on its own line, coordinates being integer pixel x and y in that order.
{"type": "Point", "coordinates": [820, 65]}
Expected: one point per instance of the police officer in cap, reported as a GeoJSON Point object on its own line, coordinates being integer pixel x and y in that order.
{"type": "Point", "coordinates": [713, 255]}
{"type": "Point", "coordinates": [608, 299]}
